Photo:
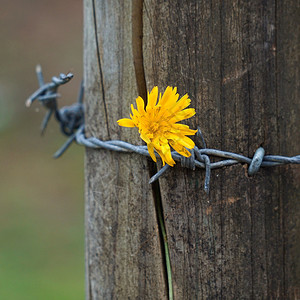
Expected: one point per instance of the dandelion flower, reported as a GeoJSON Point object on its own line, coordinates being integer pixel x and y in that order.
{"type": "Point", "coordinates": [158, 126]}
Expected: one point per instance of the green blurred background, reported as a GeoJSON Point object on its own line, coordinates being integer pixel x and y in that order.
{"type": "Point", "coordinates": [41, 199]}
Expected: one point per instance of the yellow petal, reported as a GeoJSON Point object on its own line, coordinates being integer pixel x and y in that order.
{"type": "Point", "coordinates": [167, 95]}
{"type": "Point", "coordinates": [167, 154]}
{"type": "Point", "coordinates": [152, 98]}
{"type": "Point", "coordinates": [181, 104]}
{"type": "Point", "coordinates": [164, 159]}
{"type": "Point", "coordinates": [180, 149]}
{"type": "Point", "coordinates": [151, 151]}
{"type": "Point", "coordinates": [186, 142]}
{"type": "Point", "coordinates": [140, 105]}
{"type": "Point", "coordinates": [182, 115]}
{"type": "Point", "coordinates": [126, 122]}
{"type": "Point", "coordinates": [183, 129]}
{"type": "Point", "coordinates": [145, 138]}
{"type": "Point", "coordinates": [181, 139]}
{"type": "Point", "coordinates": [161, 156]}
{"type": "Point", "coordinates": [165, 148]}
{"type": "Point", "coordinates": [156, 143]}
{"type": "Point", "coordinates": [135, 112]}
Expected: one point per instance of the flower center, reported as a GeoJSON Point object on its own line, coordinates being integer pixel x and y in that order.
{"type": "Point", "coordinates": [154, 127]}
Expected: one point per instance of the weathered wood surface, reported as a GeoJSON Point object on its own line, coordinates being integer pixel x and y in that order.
{"type": "Point", "coordinates": [123, 256]}
{"type": "Point", "coordinates": [239, 62]}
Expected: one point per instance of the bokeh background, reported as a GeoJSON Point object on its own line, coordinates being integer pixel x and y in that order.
{"type": "Point", "coordinates": [41, 199]}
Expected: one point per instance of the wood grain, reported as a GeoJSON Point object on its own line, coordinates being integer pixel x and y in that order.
{"type": "Point", "coordinates": [239, 62]}
{"type": "Point", "coordinates": [123, 255]}
{"type": "Point", "coordinates": [288, 49]}
{"type": "Point", "coordinates": [231, 244]}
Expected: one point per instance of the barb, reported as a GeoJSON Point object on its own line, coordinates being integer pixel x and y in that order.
{"type": "Point", "coordinates": [200, 159]}
{"type": "Point", "coordinates": [71, 119]}
{"type": "Point", "coordinates": [47, 94]}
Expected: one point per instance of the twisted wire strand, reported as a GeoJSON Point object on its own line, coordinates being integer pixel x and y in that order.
{"type": "Point", "coordinates": [71, 120]}
{"type": "Point", "coordinates": [199, 158]}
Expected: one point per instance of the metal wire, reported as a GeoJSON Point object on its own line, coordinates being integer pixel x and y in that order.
{"type": "Point", "coordinates": [200, 159]}
{"type": "Point", "coordinates": [71, 122]}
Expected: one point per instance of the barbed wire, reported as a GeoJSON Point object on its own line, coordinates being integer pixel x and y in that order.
{"type": "Point", "coordinates": [71, 120]}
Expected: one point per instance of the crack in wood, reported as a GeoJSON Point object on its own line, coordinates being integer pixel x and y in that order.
{"type": "Point", "coordinates": [137, 47]}
{"type": "Point", "coordinates": [137, 52]}
{"type": "Point", "coordinates": [162, 232]}
{"type": "Point", "coordinates": [100, 67]}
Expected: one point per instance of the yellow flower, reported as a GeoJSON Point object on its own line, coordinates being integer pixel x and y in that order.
{"type": "Point", "coordinates": [158, 126]}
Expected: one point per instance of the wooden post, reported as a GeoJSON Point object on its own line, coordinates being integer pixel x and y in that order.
{"type": "Point", "coordinates": [238, 61]}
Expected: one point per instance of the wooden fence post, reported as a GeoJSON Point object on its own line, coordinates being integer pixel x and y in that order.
{"type": "Point", "coordinates": [239, 62]}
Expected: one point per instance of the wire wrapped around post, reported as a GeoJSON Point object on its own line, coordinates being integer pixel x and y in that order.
{"type": "Point", "coordinates": [71, 120]}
